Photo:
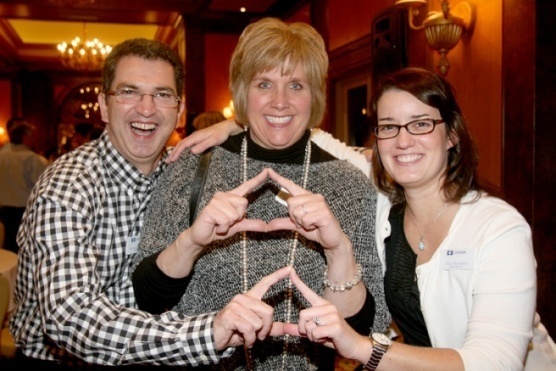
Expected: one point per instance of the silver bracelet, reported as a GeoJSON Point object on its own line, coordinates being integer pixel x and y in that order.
{"type": "Point", "coordinates": [341, 287]}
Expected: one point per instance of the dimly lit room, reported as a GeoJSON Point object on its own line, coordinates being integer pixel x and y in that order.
{"type": "Point", "coordinates": [497, 56]}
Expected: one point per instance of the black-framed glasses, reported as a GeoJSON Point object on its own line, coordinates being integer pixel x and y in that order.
{"type": "Point", "coordinates": [131, 96]}
{"type": "Point", "coordinates": [415, 127]}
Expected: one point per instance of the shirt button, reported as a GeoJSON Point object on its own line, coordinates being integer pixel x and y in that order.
{"type": "Point", "coordinates": [130, 192]}
{"type": "Point", "coordinates": [418, 271]}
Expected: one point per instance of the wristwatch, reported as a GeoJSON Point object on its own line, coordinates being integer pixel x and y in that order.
{"type": "Point", "coordinates": [381, 343]}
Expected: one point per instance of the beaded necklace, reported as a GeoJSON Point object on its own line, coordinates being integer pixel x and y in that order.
{"type": "Point", "coordinates": [291, 254]}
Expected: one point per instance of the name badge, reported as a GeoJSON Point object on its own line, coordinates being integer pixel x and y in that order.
{"type": "Point", "coordinates": [457, 259]}
{"type": "Point", "coordinates": [132, 244]}
{"type": "Point", "coordinates": [282, 196]}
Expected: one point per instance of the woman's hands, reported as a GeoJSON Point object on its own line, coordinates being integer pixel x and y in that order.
{"type": "Point", "coordinates": [309, 215]}
{"type": "Point", "coordinates": [246, 319]}
{"type": "Point", "coordinates": [323, 324]}
{"type": "Point", "coordinates": [222, 217]}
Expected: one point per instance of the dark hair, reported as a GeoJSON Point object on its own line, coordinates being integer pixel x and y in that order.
{"type": "Point", "coordinates": [461, 175]}
{"type": "Point", "coordinates": [12, 121]}
{"type": "Point", "coordinates": [143, 48]}
{"type": "Point", "coordinates": [18, 129]}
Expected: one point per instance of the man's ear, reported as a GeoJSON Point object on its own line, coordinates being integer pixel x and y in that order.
{"type": "Point", "coordinates": [103, 107]}
{"type": "Point", "coordinates": [181, 112]}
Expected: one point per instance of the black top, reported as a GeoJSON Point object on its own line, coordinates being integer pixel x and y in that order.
{"type": "Point", "coordinates": [400, 283]}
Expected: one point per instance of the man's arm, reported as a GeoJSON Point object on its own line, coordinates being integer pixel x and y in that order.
{"type": "Point", "coordinates": [61, 272]}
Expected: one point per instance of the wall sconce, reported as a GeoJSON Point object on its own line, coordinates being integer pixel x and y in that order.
{"type": "Point", "coordinates": [443, 29]}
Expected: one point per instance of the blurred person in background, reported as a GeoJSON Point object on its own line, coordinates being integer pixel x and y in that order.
{"type": "Point", "coordinates": [208, 118]}
{"type": "Point", "coordinates": [20, 168]}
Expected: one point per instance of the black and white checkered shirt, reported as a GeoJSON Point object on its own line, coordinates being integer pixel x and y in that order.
{"type": "Point", "coordinates": [73, 292]}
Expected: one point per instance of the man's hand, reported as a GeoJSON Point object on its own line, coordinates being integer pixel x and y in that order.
{"type": "Point", "coordinates": [202, 139]}
{"type": "Point", "coordinates": [246, 318]}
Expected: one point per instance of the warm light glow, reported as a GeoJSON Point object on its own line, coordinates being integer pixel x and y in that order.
{"type": "Point", "coordinates": [3, 136]}
{"type": "Point", "coordinates": [83, 55]}
{"type": "Point", "coordinates": [410, 3]}
{"type": "Point", "coordinates": [91, 105]}
{"type": "Point", "coordinates": [242, 9]}
{"type": "Point", "coordinates": [228, 111]}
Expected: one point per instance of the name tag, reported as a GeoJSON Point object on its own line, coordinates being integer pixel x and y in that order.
{"type": "Point", "coordinates": [457, 259]}
{"type": "Point", "coordinates": [132, 244]}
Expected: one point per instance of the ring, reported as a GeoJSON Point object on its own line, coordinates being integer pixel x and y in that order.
{"type": "Point", "coordinates": [305, 211]}
{"type": "Point", "coordinates": [317, 321]}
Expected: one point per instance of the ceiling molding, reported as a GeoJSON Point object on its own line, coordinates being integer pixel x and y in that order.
{"type": "Point", "coordinates": [40, 53]}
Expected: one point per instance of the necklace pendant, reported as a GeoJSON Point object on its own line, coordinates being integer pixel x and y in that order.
{"type": "Point", "coordinates": [421, 245]}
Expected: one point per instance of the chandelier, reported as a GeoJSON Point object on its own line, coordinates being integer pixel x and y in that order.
{"type": "Point", "coordinates": [82, 54]}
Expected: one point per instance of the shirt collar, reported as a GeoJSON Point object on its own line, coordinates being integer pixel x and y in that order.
{"type": "Point", "coordinates": [122, 171]}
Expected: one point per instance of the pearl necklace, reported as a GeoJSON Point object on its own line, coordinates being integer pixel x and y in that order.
{"type": "Point", "coordinates": [291, 254]}
{"type": "Point", "coordinates": [421, 236]}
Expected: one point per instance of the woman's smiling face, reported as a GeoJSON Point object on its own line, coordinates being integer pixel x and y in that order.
{"type": "Point", "coordinates": [278, 107]}
{"type": "Point", "coordinates": [412, 160]}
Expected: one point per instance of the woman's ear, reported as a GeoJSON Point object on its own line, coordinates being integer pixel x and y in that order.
{"type": "Point", "coordinates": [452, 140]}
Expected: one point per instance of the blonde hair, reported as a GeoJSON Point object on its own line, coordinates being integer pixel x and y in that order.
{"type": "Point", "coordinates": [269, 44]}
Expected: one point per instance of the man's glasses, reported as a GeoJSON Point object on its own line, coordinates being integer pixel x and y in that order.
{"type": "Point", "coordinates": [131, 96]}
{"type": "Point", "coordinates": [416, 127]}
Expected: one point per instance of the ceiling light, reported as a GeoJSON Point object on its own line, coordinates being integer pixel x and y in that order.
{"type": "Point", "coordinates": [82, 54]}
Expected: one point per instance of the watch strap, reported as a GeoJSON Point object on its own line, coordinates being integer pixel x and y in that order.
{"type": "Point", "coordinates": [376, 356]}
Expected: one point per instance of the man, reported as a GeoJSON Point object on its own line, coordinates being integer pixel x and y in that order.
{"type": "Point", "coordinates": [20, 167]}
{"type": "Point", "coordinates": [74, 298]}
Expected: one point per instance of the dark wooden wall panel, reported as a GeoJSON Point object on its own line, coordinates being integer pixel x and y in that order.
{"type": "Point", "coordinates": [544, 187]}
{"type": "Point", "coordinates": [529, 134]}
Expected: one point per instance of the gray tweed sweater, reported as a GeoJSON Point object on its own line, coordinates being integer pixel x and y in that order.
{"type": "Point", "coordinates": [217, 273]}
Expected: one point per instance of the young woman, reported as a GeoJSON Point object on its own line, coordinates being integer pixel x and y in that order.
{"type": "Point", "coordinates": [307, 209]}
{"type": "Point", "coordinates": [460, 279]}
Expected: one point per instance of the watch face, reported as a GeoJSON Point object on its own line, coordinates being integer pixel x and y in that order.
{"type": "Point", "coordinates": [382, 339]}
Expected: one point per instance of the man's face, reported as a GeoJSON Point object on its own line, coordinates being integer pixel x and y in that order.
{"type": "Point", "coordinates": [139, 131]}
